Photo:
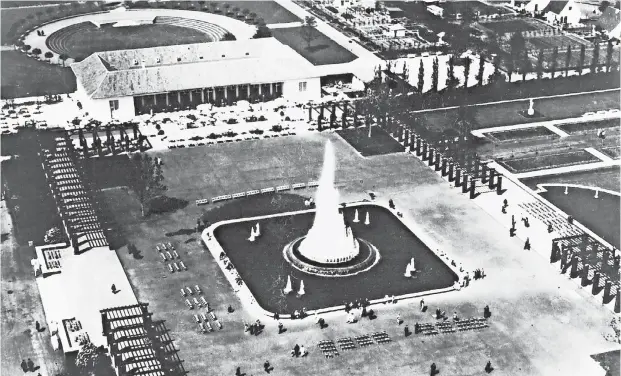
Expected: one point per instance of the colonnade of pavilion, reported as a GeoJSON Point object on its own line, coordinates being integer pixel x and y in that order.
{"type": "Point", "coordinates": [221, 95]}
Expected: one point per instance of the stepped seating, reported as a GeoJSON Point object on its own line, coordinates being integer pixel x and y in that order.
{"type": "Point", "coordinates": [427, 329]}
{"type": "Point", "coordinates": [215, 32]}
{"type": "Point", "coordinates": [328, 348]}
{"type": "Point", "coordinates": [346, 343]}
{"type": "Point", "coordinates": [57, 41]}
{"type": "Point", "coordinates": [546, 214]}
{"type": "Point", "coordinates": [445, 327]}
{"type": "Point", "coordinates": [473, 323]}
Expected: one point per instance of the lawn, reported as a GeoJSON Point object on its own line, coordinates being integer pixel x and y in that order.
{"type": "Point", "coordinates": [270, 11]}
{"type": "Point", "coordinates": [509, 26]}
{"type": "Point", "coordinates": [601, 215]}
{"type": "Point", "coordinates": [379, 143]}
{"type": "Point", "coordinates": [81, 40]}
{"type": "Point", "coordinates": [320, 51]}
{"type": "Point", "coordinates": [613, 152]}
{"type": "Point", "coordinates": [541, 162]}
{"type": "Point", "coordinates": [455, 7]}
{"type": "Point", "coordinates": [521, 134]}
{"type": "Point", "coordinates": [29, 198]}
{"type": "Point", "coordinates": [607, 178]}
{"type": "Point", "coordinates": [590, 126]}
{"type": "Point", "coordinates": [25, 77]}
{"type": "Point", "coordinates": [266, 272]}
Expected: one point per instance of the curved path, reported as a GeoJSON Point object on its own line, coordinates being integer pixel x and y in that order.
{"type": "Point", "coordinates": [240, 29]}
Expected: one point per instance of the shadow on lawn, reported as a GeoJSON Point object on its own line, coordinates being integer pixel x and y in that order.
{"type": "Point", "coordinates": [317, 48]}
{"type": "Point", "coordinates": [165, 204]}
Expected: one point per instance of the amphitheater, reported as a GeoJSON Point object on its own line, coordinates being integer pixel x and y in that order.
{"type": "Point", "coordinates": [60, 33]}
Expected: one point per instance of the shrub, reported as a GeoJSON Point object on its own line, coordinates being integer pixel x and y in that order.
{"type": "Point", "coordinates": [230, 134]}
{"type": "Point", "coordinates": [36, 51]}
{"type": "Point", "coordinates": [213, 136]}
{"type": "Point", "coordinates": [196, 138]}
{"type": "Point", "coordinates": [256, 131]}
{"type": "Point", "coordinates": [262, 118]}
{"type": "Point", "coordinates": [276, 128]}
{"type": "Point", "coordinates": [231, 121]}
{"type": "Point", "coordinates": [26, 47]}
{"type": "Point", "coordinates": [192, 117]}
{"type": "Point", "coordinates": [158, 127]}
{"type": "Point", "coordinates": [160, 132]}
{"type": "Point", "coordinates": [53, 236]}
{"type": "Point", "coordinates": [287, 118]}
{"type": "Point", "coordinates": [48, 55]}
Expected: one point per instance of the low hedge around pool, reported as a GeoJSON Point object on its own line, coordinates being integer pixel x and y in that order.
{"type": "Point", "coordinates": [541, 162]}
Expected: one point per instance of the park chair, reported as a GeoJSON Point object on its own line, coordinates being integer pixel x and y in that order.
{"type": "Point", "coordinates": [198, 289]}
{"type": "Point", "coordinates": [213, 316]}
{"type": "Point", "coordinates": [196, 302]}
{"type": "Point", "coordinates": [163, 257]}
{"type": "Point", "coordinates": [202, 327]}
{"type": "Point", "coordinates": [183, 293]}
{"type": "Point", "coordinates": [197, 319]}
{"type": "Point", "coordinates": [157, 246]}
{"type": "Point", "coordinates": [189, 290]}
{"type": "Point", "coordinates": [204, 316]}
{"type": "Point", "coordinates": [176, 267]}
{"type": "Point", "coordinates": [189, 304]}
{"type": "Point", "coordinates": [203, 301]}
{"type": "Point", "coordinates": [170, 246]}
{"type": "Point", "coordinates": [183, 265]}
{"type": "Point", "coordinates": [175, 254]}
{"type": "Point", "coordinates": [169, 256]}
{"type": "Point", "coordinates": [208, 325]}
{"type": "Point", "coordinates": [170, 268]}
{"type": "Point", "coordinates": [218, 324]}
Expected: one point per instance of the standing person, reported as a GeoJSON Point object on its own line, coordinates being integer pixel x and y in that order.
{"type": "Point", "coordinates": [37, 326]}
{"type": "Point", "coordinates": [113, 288]}
{"type": "Point", "coordinates": [30, 365]}
{"type": "Point", "coordinates": [296, 349]}
{"type": "Point", "coordinates": [266, 366]}
{"type": "Point", "coordinates": [399, 319]}
{"type": "Point", "coordinates": [24, 366]}
{"type": "Point", "coordinates": [422, 304]}
{"type": "Point", "coordinates": [238, 371]}
{"type": "Point", "coordinates": [406, 330]}
{"type": "Point", "coordinates": [488, 367]}
{"type": "Point", "coordinates": [280, 327]}
{"type": "Point", "coordinates": [433, 369]}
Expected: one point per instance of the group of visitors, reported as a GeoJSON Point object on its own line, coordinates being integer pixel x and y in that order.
{"type": "Point", "coordinates": [41, 33]}
{"type": "Point", "coordinates": [505, 204]}
{"type": "Point", "coordinates": [298, 351]}
{"type": "Point", "coordinates": [255, 328]}
{"type": "Point", "coordinates": [28, 366]}
{"type": "Point", "coordinates": [479, 274]}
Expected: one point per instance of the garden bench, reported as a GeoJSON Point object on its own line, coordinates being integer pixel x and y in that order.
{"type": "Point", "coordinates": [183, 293]}
{"type": "Point", "coordinates": [198, 289]}
{"type": "Point", "coordinates": [189, 304]}
{"type": "Point", "coordinates": [170, 268]}
{"type": "Point", "coordinates": [189, 290]}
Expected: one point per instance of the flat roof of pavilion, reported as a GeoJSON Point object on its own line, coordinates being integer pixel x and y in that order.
{"type": "Point", "coordinates": [123, 73]}
{"type": "Point", "coordinates": [81, 290]}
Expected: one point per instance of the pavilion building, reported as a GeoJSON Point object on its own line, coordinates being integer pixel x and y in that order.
{"type": "Point", "coordinates": [122, 84]}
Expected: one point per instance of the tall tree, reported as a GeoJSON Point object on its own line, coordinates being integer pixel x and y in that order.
{"type": "Point", "coordinates": [609, 50]}
{"type": "Point", "coordinates": [581, 61]}
{"type": "Point", "coordinates": [496, 75]}
{"type": "Point", "coordinates": [517, 45]}
{"type": "Point", "coordinates": [63, 58]}
{"type": "Point", "coordinates": [421, 77]}
{"type": "Point", "coordinates": [308, 30]}
{"type": "Point", "coordinates": [467, 63]}
{"type": "Point", "coordinates": [595, 60]}
{"type": "Point", "coordinates": [434, 75]}
{"type": "Point", "coordinates": [262, 32]}
{"type": "Point", "coordinates": [554, 62]}
{"type": "Point", "coordinates": [567, 60]}
{"type": "Point", "coordinates": [540, 64]}
{"type": "Point", "coordinates": [481, 69]}
{"type": "Point", "coordinates": [147, 180]}
{"type": "Point", "coordinates": [89, 360]}
{"type": "Point", "coordinates": [525, 65]}
{"type": "Point", "coordinates": [603, 5]}
{"type": "Point", "coordinates": [451, 81]}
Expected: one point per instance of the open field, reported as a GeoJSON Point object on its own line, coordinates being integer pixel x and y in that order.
{"type": "Point", "coordinates": [320, 50]}
{"type": "Point", "coordinates": [607, 178]}
{"type": "Point", "coordinates": [270, 11]}
{"type": "Point", "coordinates": [517, 25]}
{"type": "Point", "coordinates": [26, 77]}
{"type": "Point", "coordinates": [517, 341]}
{"type": "Point", "coordinates": [508, 113]}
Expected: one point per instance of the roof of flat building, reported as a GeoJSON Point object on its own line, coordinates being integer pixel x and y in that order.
{"type": "Point", "coordinates": [123, 73]}
{"type": "Point", "coordinates": [556, 6]}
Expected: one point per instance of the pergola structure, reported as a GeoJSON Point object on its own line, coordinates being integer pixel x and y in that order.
{"type": "Point", "coordinates": [583, 256]}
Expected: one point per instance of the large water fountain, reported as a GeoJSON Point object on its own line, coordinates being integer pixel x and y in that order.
{"type": "Point", "coordinates": [330, 240]}
{"type": "Point", "coordinates": [330, 247]}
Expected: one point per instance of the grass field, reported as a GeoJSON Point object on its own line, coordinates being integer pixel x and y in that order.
{"type": "Point", "coordinates": [455, 7]}
{"type": "Point", "coordinates": [320, 51]}
{"type": "Point", "coordinates": [379, 143]}
{"type": "Point", "coordinates": [613, 152]}
{"type": "Point", "coordinates": [608, 178]}
{"type": "Point", "coordinates": [515, 342]}
{"type": "Point", "coordinates": [510, 26]}
{"type": "Point", "coordinates": [26, 77]}
{"type": "Point", "coordinates": [549, 161]}
{"type": "Point", "coordinates": [81, 40]}
{"type": "Point", "coordinates": [601, 215]}
{"type": "Point", "coordinates": [270, 11]}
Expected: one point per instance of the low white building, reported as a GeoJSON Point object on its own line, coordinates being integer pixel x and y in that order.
{"type": "Point", "coordinates": [563, 12]}
{"type": "Point", "coordinates": [123, 84]}
{"type": "Point", "coordinates": [436, 10]}
{"type": "Point", "coordinates": [394, 31]}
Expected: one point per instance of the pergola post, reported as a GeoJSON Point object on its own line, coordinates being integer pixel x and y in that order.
{"type": "Point", "coordinates": [596, 277]}
{"type": "Point", "coordinates": [472, 189]}
{"type": "Point", "coordinates": [203, 95]}
{"type": "Point", "coordinates": [444, 166]}
{"type": "Point", "coordinates": [484, 176]}
{"type": "Point", "coordinates": [451, 171]}
{"type": "Point", "coordinates": [439, 159]}
{"type": "Point", "coordinates": [491, 178]}
{"type": "Point", "coordinates": [457, 177]}
{"type": "Point", "coordinates": [499, 184]}
{"type": "Point", "coordinates": [585, 274]}
{"type": "Point", "coordinates": [167, 100]}
{"type": "Point", "coordinates": [464, 183]}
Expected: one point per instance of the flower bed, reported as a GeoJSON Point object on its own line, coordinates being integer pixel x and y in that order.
{"type": "Point", "coordinates": [521, 134]}
{"type": "Point", "coordinates": [589, 126]}
{"type": "Point", "coordinates": [541, 162]}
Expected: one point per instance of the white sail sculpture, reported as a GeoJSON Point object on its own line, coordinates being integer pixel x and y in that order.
{"type": "Point", "coordinates": [330, 240]}
{"type": "Point", "coordinates": [356, 219]}
{"type": "Point", "coordinates": [301, 291]}
{"type": "Point", "coordinates": [253, 236]}
{"type": "Point", "coordinates": [410, 268]}
{"type": "Point", "coordinates": [367, 220]}
{"type": "Point", "coordinates": [257, 233]}
{"type": "Point", "coordinates": [288, 287]}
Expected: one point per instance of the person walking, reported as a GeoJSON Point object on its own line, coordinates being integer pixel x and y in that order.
{"type": "Point", "coordinates": [422, 304]}
{"type": "Point", "coordinates": [280, 327]}
{"type": "Point", "coordinates": [488, 367]}
{"type": "Point", "coordinates": [37, 326]}
{"type": "Point", "coordinates": [267, 367]}
{"type": "Point", "coordinates": [433, 369]}
{"type": "Point", "coordinates": [24, 366]}
{"type": "Point", "coordinates": [296, 349]}
{"type": "Point", "coordinates": [399, 321]}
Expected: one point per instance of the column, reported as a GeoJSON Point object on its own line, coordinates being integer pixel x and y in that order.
{"type": "Point", "coordinates": [431, 156]}
{"type": "Point", "coordinates": [439, 159]}
{"type": "Point", "coordinates": [424, 153]}
{"type": "Point", "coordinates": [271, 89]}
{"type": "Point", "coordinates": [406, 138]}
{"type": "Point", "coordinates": [585, 274]}
{"type": "Point", "coordinates": [226, 93]}
{"type": "Point", "coordinates": [451, 171]}
{"type": "Point", "coordinates": [203, 95]}
{"type": "Point", "coordinates": [618, 300]}
{"type": "Point", "coordinates": [236, 92]}
{"type": "Point", "coordinates": [248, 91]}
{"type": "Point", "coordinates": [154, 99]}
{"type": "Point", "coordinates": [499, 184]}
{"type": "Point", "coordinates": [477, 164]}
{"type": "Point", "coordinates": [179, 97]}
{"type": "Point", "coordinates": [574, 266]}
{"type": "Point", "coordinates": [564, 251]}
{"type": "Point", "coordinates": [400, 137]}
{"type": "Point", "coordinates": [596, 277]}
{"type": "Point", "coordinates": [491, 178]}
{"type": "Point", "coordinates": [472, 189]}
{"type": "Point", "coordinates": [167, 100]}
{"type": "Point", "coordinates": [444, 166]}
{"type": "Point", "coordinates": [484, 173]}
{"type": "Point", "coordinates": [464, 183]}
{"type": "Point", "coordinates": [457, 177]}
{"type": "Point", "coordinates": [419, 147]}
{"type": "Point", "coordinates": [607, 286]}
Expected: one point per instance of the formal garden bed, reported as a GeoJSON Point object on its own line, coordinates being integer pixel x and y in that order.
{"type": "Point", "coordinates": [590, 126]}
{"type": "Point", "coordinates": [613, 152]}
{"type": "Point", "coordinates": [379, 143]}
{"type": "Point", "coordinates": [541, 162]}
{"type": "Point", "coordinates": [522, 134]}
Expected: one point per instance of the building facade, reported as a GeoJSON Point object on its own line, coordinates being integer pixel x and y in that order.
{"type": "Point", "coordinates": [122, 84]}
